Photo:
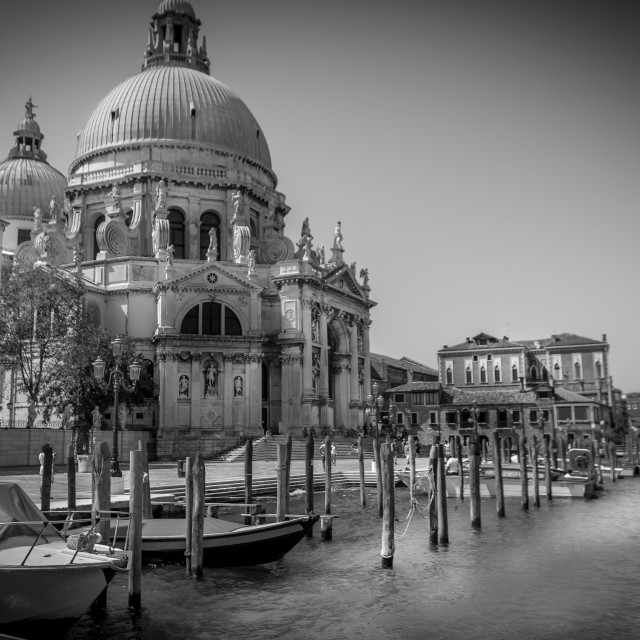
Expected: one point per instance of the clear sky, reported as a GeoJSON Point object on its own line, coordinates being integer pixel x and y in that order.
{"type": "Point", "coordinates": [482, 156]}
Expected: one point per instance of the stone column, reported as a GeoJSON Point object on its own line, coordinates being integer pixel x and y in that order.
{"type": "Point", "coordinates": [227, 391]}
{"type": "Point", "coordinates": [340, 366]}
{"type": "Point", "coordinates": [307, 364]}
{"type": "Point", "coordinates": [161, 357]}
{"type": "Point", "coordinates": [366, 383]}
{"type": "Point", "coordinates": [353, 349]}
{"type": "Point", "coordinates": [195, 389]}
{"type": "Point", "coordinates": [323, 387]}
{"type": "Point", "coordinates": [254, 394]}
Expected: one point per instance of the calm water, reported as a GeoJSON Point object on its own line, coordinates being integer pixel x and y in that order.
{"type": "Point", "coordinates": [567, 570]}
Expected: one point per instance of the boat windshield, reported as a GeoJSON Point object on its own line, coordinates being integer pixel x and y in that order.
{"type": "Point", "coordinates": [21, 522]}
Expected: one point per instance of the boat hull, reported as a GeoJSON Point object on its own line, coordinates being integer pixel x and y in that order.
{"type": "Point", "coordinates": [165, 540]}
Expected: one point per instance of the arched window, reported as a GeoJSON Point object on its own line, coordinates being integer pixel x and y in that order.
{"type": "Point", "coordinates": [545, 374]}
{"type": "Point", "coordinates": [503, 418]}
{"type": "Point", "coordinates": [533, 373]}
{"type": "Point", "coordinates": [483, 374]}
{"type": "Point", "coordinates": [577, 370]}
{"type": "Point", "coordinates": [598, 369]}
{"type": "Point", "coordinates": [497, 374]}
{"type": "Point", "coordinates": [449, 375]}
{"type": "Point", "coordinates": [468, 375]}
{"type": "Point", "coordinates": [96, 248]}
{"type": "Point", "coordinates": [176, 233]}
{"type": "Point", "coordinates": [208, 221]}
{"type": "Point", "coordinates": [211, 319]}
{"type": "Point", "coordinates": [514, 373]}
{"type": "Point", "coordinates": [557, 372]}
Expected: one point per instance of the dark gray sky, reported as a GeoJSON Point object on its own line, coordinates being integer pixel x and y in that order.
{"type": "Point", "coordinates": [483, 156]}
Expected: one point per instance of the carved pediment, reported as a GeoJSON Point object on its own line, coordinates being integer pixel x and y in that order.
{"type": "Point", "coordinates": [210, 276]}
{"type": "Point", "coordinates": [343, 279]}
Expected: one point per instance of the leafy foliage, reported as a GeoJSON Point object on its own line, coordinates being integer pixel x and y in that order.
{"type": "Point", "coordinates": [47, 335]}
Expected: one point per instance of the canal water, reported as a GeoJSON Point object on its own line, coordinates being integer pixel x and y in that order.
{"type": "Point", "coordinates": [567, 570]}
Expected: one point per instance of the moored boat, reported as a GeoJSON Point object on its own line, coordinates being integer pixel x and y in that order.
{"type": "Point", "coordinates": [45, 586]}
{"type": "Point", "coordinates": [224, 543]}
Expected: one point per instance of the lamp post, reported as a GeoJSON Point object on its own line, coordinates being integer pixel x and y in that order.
{"type": "Point", "coordinates": [374, 403]}
{"type": "Point", "coordinates": [116, 378]}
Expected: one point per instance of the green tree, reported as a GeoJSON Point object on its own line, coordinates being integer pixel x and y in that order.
{"type": "Point", "coordinates": [47, 336]}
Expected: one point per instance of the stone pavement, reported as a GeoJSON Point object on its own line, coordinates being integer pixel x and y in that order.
{"type": "Point", "coordinates": [161, 474]}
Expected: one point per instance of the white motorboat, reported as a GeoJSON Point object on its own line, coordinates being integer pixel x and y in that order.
{"type": "Point", "coordinates": [46, 586]}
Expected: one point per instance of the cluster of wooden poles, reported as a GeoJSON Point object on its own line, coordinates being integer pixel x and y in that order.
{"type": "Point", "coordinates": [195, 505]}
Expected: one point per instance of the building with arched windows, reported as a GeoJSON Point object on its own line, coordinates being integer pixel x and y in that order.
{"type": "Point", "coordinates": [173, 220]}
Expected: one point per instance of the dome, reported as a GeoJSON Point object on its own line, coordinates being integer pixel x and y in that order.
{"type": "Point", "coordinates": [173, 105]}
{"type": "Point", "coordinates": [26, 183]}
{"type": "Point", "coordinates": [177, 6]}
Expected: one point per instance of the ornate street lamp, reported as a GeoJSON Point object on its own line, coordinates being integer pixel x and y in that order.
{"type": "Point", "coordinates": [116, 378]}
{"type": "Point", "coordinates": [374, 403]}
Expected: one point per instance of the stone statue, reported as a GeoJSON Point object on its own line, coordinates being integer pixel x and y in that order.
{"type": "Point", "coordinates": [364, 274]}
{"type": "Point", "coordinates": [337, 240]}
{"type": "Point", "coordinates": [78, 252]}
{"type": "Point", "coordinates": [307, 249]}
{"type": "Point", "coordinates": [306, 231]}
{"type": "Point", "coordinates": [29, 107]}
{"type": "Point", "coordinates": [54, 209]}
{"type": "Point", "coordinates": [37, 219]}
{"type": "Point", "coordinates": [210, 376]}
{"type": "Point", "coordinates": [170, 251]}
{"type": "Point", "coordinates": [183, 385]}
{"type": "Point", "coordinates": [115, 195]}
{"type": "Point", "coordinates": [321, 256]}
{"type": "Point", "coordinates": [237, 201]}
{"type": "Point", "coordinates": [212, 251]}
{"type": "Point", "coordinates": [161, 195]}
{"type": "Point", "coordinates": [96, 422]}
{"type": "Point", "coordinates": [252, 261]}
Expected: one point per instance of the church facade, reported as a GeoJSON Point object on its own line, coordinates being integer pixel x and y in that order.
{"type": "Point", "coordinates": [172, 218]}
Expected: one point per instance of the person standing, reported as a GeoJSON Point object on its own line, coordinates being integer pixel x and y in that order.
{"type": "Point", "coordinates": [322, 450]}
{"type": "Point", "coordinates": [334, 454]}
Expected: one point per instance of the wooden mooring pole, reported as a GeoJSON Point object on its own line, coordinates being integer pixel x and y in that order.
{"type": "Point", "coordinates": [308, 475]}
{"type": "Point", "coordinates": [433, 492]}
{"type": "Point", "coordinates": [147, 511]}
{"type": "Point", "coordinates": [376, 463]}
{"type": "Point", "coordinates": [197, 518]}
{"type": "Point", "coordinates": [547, 465]}
{"type": "Point", "coordinates": [459, 454]}
{"type": "Point", "coordinates": [612, 460]}
{"type": "Point", "coordinates": [46, 479]}
{"type": "Point", "coordinates": [287, 469]}
{"type": "Point", "coordinates": [281, 480]}
{"type": "Point", "coordinates": [388, 506]}
{"type": "Point", "coordinates": [248, 476]}
{"type": "Point", "coordinates": [412, 471]}
{"type": "Point", "coordinates": [188, 512]}
{"type": "Point", "coordinates": [102, 488]}
{"type": "Point", "coordinates": [534, 465]}
{"type": "Point", "coordinates": [327, 475]}
{"type": "Point", "coordinates": [71, 479]}
{"type": "Point", "coordinates": [443, 524]}
{"type": "Point", "coordinates": [136, 505]}
{"type": "Point", "coordinates": [363, 499]}
{"type": "Point", "coordinates": [497, 470]}
{"type": "Point", "coordinates": [524, 481]}
{"type": "Point", "coordinates": [474, 482]}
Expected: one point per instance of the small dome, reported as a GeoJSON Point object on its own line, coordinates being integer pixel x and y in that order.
{"type": "Point", "coordinates": [173, 105]}
{"type": "Point", "coordinates": [177, 6]}
{"type": "Point", "coordinates": [28, 126]}
{"type": "Point", "coordinates": [26, 183]}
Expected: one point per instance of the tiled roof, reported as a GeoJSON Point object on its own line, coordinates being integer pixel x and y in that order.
{"type": "Point", "coordinates": [557, 340]}
{"type": "Point", "coordinates": [455, 396]}
{"type": "Point", "coordinates": [415, 386]}
{"type": "Point", "coordinates": [564, 395]}
{"type": "Point", "coordinates": [403, 363]}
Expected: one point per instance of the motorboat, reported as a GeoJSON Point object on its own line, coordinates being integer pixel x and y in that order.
{"type": "Point", "coordinates": [46, 585]}
{"type": "Point", "coordinates": [224, 543]}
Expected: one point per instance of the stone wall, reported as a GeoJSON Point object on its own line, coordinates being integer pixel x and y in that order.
{"type": "Point", "coordinates": [20, 447]}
